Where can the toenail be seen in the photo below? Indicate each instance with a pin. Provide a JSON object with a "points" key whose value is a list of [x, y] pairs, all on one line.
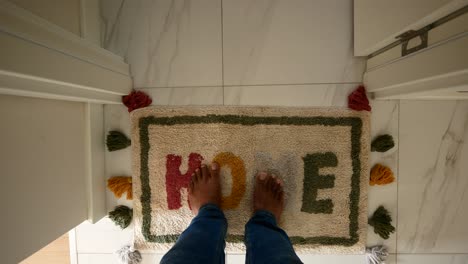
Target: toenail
{"points": [[262, 175], [214, 166]]}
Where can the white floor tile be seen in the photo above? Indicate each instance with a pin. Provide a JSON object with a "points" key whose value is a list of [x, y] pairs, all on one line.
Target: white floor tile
{"points": [[111, 258], [432, 259], [102, 237], [391, 259], [167, 43], [235, 259], [96, 259], [240, 259], [289, 42], [289, 95], [384, 120], [328, 259], [432, 212], [186, 96], [333, 259], [151, 258]]}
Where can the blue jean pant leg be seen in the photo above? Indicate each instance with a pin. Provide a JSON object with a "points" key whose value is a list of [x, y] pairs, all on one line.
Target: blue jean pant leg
{"points": [[266, 242], [203, 241]]}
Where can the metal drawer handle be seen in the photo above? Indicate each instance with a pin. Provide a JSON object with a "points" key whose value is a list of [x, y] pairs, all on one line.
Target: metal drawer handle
{"points": [[409, 35]]}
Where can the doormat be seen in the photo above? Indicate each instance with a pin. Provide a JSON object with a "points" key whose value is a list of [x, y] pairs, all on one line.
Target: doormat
{"points": [[321, 154]]}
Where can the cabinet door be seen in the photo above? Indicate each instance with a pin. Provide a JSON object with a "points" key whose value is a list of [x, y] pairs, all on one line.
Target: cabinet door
{"points": [[54, 77], [377, 23], [42, 59], [43, 164]]}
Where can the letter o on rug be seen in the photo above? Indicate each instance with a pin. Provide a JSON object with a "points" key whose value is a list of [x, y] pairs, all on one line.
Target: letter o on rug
{"points": [[238, 173]]}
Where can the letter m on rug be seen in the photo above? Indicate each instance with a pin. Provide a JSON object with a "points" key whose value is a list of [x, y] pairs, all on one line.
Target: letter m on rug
{"points": [[175, 180]]}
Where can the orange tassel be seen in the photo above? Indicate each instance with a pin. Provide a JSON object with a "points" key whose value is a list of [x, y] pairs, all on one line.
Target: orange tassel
{"points": [[381, 175], [120, 185]]}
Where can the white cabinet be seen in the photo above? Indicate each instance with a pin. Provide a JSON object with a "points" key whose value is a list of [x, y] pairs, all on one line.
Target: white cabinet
{"points": [[377, 23], [42, 59], [43, 168], [430, 64], [54, 80]]}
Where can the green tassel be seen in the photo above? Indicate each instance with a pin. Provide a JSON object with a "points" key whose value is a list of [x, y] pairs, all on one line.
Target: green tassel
{"points": [[381, 221], [382, 143], [121, 216], [117, 140]]}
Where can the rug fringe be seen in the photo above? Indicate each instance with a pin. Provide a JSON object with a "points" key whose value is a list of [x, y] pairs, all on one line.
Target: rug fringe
{"points": [[128, 255], [376, 255]]}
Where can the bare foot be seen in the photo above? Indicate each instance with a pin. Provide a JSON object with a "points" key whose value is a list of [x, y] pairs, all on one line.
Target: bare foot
{"points": [[269, 194], [204, 187]]}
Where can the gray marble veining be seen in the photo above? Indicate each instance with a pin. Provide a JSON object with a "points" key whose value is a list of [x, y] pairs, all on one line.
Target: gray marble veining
{"points": [[167, 43], [289, 95], [432, 259], [289, 42], [433, 177], [179, 43], [186, 96]]}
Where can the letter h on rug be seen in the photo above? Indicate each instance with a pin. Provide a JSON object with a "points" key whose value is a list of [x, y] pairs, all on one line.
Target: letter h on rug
{"points": [[175, 180]]}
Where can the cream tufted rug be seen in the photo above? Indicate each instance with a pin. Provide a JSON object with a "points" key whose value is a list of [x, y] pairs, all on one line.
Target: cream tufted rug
{"points": [[320, 153]]}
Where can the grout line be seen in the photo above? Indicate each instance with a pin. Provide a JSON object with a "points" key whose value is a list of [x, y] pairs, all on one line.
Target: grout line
{"points": [[438, 254], [398, 183], [222, 47], [72, 245], [243, 254], [241, 85], [178, 87], [290, 84], [113, 254]]}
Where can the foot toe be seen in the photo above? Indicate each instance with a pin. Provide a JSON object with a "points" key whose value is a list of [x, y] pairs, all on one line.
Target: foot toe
{"points": [[279, 182], [275, 183], [280, 196], [205, 172], [198, 174], [270, 183], [214, 170], [193, 178], [192, 183], [261, 176]]}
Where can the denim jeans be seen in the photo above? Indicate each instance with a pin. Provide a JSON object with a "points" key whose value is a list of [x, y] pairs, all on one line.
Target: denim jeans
{"points": [[203, 241]]}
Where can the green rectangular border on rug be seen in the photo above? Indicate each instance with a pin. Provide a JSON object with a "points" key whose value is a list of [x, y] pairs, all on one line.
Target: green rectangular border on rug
{"points": [[356, 129]]}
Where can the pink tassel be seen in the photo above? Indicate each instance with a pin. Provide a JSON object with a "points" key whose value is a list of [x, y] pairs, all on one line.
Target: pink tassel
{"points": [[357, 100], [135, 100]]}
